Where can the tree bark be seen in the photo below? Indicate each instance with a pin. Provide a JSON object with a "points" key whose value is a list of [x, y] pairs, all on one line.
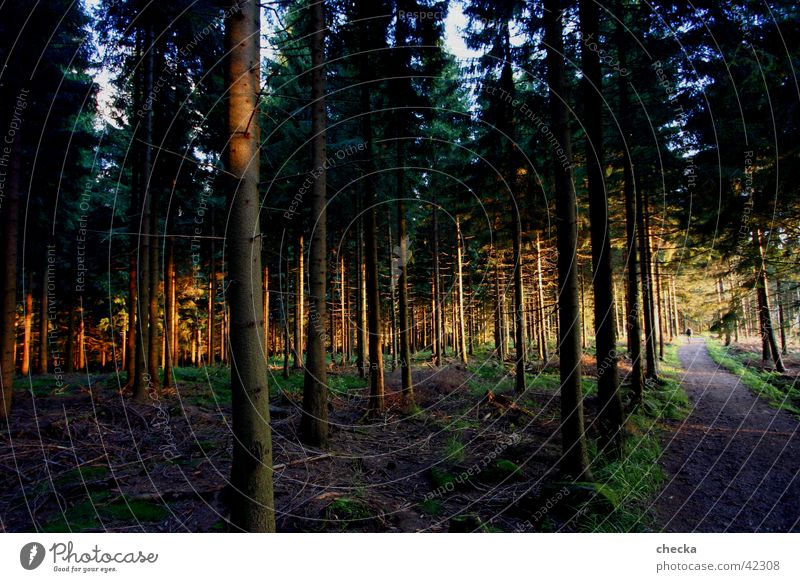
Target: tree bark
{"points": [[540, 303], [26, 335], [765, 315], [299, 306], [438, 332], [253, 508], [314, 420], [610, 413], [575, 458], [44, 317], [462, 347], [142, 380], [170, 348], [632, 318], [8, 276], [642, 209], [519, 308]]}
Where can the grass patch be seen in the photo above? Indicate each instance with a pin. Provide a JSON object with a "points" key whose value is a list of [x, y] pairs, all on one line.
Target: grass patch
{"points": [[630, 482], [455, 450], [763, 383]]}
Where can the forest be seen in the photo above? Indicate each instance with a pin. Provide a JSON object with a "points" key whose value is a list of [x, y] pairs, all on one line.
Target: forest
{"points": [[399, 266]]}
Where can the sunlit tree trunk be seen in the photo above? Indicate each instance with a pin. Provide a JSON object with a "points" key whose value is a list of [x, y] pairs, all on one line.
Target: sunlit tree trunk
{"points": [[44, 317], [462, 344], [26, 334], [170, 347], [252, 507], [519, 308], [765, 315], [299, 306]]}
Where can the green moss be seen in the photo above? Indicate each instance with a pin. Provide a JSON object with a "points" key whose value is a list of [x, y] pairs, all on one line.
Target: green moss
{"points": [[348, 509], [99, 509], [431, 507]]}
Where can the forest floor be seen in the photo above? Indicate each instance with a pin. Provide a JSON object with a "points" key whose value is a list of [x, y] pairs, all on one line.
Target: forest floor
{"points": [[85, 457], [734, 464]]}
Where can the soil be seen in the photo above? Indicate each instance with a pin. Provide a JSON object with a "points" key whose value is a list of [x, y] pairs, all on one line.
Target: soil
{"points": [[88, 458], [734, 464]]}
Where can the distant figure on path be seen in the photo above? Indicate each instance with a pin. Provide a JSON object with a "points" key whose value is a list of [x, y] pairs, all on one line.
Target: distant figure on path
{"points": [[689, 334]]}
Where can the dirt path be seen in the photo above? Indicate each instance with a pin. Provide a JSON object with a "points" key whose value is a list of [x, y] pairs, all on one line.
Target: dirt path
{"points": [[734, 464]]}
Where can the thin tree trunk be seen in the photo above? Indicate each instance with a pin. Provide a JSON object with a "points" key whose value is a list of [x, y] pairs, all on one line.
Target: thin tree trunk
{"points": [[9, 220], [212, 292], [170, 350], [661, 319], [266, 314], [44, 317], [540, 300], [781, 319], [393, 302], [632, 318], [610, 413], [299, 306], [764, 307], [519, 307], [406, 384], [142, 380], [253, 508], [642, 209], [361, 301], [26, 336], [314, 420], [438, 331], [71, 334], [575, 458], [462, 348]]}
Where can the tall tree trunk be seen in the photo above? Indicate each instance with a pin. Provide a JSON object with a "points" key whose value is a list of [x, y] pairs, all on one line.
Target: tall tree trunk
{"points": [[462, 347], [781, 318], [540, 301], [130, 348], [44, 317], [376, 400], [361, 298], [519, 308], [406, 384], [575, 458], [8, 276], [266, 314], [393, 295], [610, 413], [142, 381], [632, 318], [285, 316], [314, 420], [642, 209], [81, 339], [438, 331], [657, 268], [26, 336], [170, 349], [253, 507], [299, 306], [70, 358], [765, 313]]}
